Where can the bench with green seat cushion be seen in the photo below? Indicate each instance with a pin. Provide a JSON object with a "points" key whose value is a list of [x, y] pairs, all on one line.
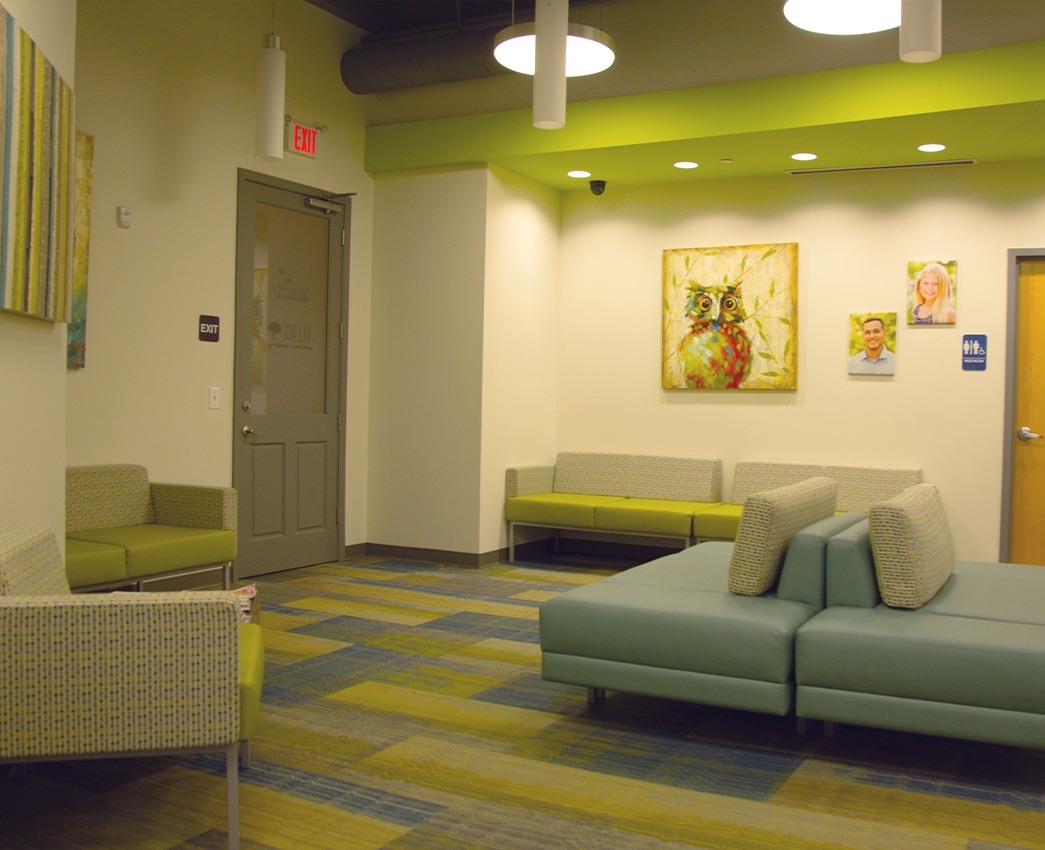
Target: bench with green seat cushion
{"points": [[114, 513], [859, 487], [612, 493]]}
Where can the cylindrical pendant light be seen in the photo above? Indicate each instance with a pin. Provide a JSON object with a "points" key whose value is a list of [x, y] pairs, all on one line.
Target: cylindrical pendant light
{"points": [[551, 18], [921, 30], [272, 78]]}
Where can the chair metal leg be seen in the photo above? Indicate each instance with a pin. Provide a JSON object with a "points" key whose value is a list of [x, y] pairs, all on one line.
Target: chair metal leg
{"points": [[232, 788], [511, 543], [596, 695], [226, 575], [244, 755]]}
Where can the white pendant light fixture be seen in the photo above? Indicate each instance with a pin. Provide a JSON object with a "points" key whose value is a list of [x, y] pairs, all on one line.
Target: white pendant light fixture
{"points": [[272, 78], [552, 49], [843, 17], [549, 76], [921, 30]]}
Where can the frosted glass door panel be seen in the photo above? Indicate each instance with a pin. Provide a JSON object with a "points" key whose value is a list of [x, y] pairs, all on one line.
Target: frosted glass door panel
{"points": [[289, 344]]}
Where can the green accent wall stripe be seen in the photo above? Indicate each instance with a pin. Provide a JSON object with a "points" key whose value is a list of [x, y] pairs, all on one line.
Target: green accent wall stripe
{"points": [[974, 92]]}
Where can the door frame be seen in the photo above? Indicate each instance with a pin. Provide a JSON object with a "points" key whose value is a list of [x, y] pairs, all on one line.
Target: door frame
{"points": [[345, 200], [1011, 350]]}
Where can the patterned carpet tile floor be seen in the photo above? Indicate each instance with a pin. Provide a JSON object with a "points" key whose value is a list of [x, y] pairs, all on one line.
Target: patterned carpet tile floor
{"points": [[403, 708]]}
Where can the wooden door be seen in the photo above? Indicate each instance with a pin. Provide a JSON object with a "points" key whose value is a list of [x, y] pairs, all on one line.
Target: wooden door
{"points": [[1027, 499]]}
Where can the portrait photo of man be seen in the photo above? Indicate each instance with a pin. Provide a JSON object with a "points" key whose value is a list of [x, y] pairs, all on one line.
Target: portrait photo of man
{"points": [[872, 344]]}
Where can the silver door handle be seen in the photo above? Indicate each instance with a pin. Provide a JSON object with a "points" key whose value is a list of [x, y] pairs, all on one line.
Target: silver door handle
{"points": [[248, 431], [1026, 433]]}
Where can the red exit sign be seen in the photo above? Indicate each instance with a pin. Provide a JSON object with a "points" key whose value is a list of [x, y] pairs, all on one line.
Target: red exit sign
{"points": [[301, 139]]}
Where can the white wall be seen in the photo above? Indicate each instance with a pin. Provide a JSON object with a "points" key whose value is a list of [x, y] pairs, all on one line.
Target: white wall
{"points": [[169, 96], [520, 344], [426, 360], [856, 233], [32, 352]]}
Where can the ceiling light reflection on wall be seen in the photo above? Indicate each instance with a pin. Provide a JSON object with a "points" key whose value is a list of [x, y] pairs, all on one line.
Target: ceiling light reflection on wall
{"points": [[848, 17]]}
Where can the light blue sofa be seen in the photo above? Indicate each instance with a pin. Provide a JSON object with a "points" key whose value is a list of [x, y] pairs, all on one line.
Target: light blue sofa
{"points": [[968, 663], [674, 628]]}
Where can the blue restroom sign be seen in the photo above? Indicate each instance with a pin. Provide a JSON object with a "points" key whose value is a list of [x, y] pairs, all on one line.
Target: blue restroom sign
{"points": [[974, 352]]}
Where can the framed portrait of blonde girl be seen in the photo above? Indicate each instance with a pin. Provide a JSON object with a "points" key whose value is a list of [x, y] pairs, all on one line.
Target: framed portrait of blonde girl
{"points": [[932, 292]]}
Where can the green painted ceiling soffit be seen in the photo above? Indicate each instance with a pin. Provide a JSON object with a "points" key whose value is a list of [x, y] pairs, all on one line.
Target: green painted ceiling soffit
{"points": [[987, 105]]}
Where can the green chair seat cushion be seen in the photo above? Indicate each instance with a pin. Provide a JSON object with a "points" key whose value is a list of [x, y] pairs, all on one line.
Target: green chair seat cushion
{"points": [[576, 510], [718, 522], [88, 564], [652, 516], [251, 678], [153, 548]]}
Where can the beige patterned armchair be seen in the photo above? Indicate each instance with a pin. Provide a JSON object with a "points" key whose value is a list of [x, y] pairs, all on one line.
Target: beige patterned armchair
{"points": [[107, 675]]}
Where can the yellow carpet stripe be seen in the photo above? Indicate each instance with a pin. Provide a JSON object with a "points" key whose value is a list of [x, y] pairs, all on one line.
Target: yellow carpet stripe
{"points": [[501, 722], [293, 646], [820, 786], [437, 602], [364, 610], [550, 576], [507, 651], [537, 595], [707, 820]]}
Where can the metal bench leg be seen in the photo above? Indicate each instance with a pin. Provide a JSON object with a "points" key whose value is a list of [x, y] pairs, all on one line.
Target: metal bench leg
{"points": [[511, 543]]}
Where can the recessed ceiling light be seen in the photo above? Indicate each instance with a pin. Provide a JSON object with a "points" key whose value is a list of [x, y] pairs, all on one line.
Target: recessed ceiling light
{"points": [[685, 163], [932, 147], [726, 160], [803, 157], [578, 173]]}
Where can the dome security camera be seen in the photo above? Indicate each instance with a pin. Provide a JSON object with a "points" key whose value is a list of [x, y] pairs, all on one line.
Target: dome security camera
{"points": [[597, 187]]}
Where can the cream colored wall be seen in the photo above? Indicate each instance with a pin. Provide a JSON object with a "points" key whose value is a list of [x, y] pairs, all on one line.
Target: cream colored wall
{"points": [[426, 360], [520, 345], [856, 233], [32, 353], [169, 96]]}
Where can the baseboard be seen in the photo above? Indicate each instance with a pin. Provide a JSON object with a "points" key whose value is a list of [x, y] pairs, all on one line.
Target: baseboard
{"points": [[441, 556], [356, 550]]}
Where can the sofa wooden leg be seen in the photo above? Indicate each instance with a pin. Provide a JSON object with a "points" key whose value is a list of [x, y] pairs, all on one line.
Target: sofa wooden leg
{"points": [[830, 727], [802, 726], [596, 695]]}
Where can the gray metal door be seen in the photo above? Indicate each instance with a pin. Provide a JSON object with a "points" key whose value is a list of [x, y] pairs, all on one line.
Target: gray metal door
{"points": [[287, 455]]}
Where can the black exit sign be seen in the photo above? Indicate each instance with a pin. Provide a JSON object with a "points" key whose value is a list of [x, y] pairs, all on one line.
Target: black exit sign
{"points": [[210, 327]]}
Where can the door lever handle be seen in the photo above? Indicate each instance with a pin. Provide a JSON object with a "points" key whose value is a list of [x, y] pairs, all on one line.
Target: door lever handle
{"points": [[1026, 433], [248, 431]]}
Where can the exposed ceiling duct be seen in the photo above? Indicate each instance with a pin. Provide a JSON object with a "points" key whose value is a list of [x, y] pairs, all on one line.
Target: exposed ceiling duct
{"points": [[421, 60]]}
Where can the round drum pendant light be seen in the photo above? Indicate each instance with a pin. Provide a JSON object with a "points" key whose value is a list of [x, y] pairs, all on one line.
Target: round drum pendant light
{"points": [[843, 17], [588, 50]]}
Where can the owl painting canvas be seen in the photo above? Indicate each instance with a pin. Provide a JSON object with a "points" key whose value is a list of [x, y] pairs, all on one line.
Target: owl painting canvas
{"points": [[731, 318]]}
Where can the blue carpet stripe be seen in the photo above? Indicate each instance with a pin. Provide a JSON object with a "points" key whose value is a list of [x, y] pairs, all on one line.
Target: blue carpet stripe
{"points": [[327, 790]]}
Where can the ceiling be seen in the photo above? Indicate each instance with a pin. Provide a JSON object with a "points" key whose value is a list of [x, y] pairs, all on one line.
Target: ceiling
{"points": [[707, 80]]}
